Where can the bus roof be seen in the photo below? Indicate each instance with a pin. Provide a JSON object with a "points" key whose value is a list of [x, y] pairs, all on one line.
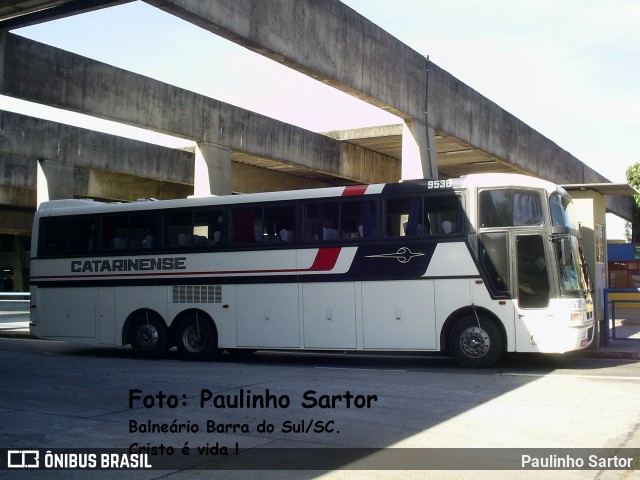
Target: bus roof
{"points": [[81, 206]]}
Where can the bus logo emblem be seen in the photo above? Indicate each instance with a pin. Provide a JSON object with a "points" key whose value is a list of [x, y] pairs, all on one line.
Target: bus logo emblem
{"points": [[403, 255]]}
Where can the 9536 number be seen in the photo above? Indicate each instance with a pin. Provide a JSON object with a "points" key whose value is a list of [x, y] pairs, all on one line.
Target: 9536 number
{"points": [[439, 183]]}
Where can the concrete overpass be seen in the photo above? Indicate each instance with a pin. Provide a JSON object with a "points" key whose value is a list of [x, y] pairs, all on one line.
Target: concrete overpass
{"points": [[448, 129]]}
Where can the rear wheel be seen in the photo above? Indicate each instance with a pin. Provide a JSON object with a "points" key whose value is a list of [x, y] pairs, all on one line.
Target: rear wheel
{"points": [[149, 336], [476, 342], [196, 338]]}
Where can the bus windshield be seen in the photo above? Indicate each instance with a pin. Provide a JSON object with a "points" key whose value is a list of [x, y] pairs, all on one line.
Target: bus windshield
{"points": [[572, 270], [562, 214], [572, 273]]}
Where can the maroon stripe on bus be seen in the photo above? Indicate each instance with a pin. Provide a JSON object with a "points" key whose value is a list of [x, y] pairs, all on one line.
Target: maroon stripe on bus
{"points": [[354, 190], [325, 259]]}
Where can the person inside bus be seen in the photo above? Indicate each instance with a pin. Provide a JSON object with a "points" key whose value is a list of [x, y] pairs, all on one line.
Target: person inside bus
{"points": [[329, 232], [448, 227], [350, 229]]}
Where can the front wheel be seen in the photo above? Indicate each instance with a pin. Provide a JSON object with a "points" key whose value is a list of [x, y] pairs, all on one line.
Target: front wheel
{"points": [[196, 339], [149, 336], [476, 342]]}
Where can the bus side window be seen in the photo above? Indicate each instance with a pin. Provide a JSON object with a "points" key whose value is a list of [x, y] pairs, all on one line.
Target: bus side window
{"points": [[321, 221], [178, 229], [200, 229], [142, 232], [83, 234], [404, 216], [129, 232], [280, 223], [510, 208], [54, 235], [444, 213], [357, 219], [246, 225], [114, 232], [207, 231]]}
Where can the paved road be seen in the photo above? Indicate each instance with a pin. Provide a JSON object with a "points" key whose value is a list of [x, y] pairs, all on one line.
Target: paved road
{"points": [[56, 395]]}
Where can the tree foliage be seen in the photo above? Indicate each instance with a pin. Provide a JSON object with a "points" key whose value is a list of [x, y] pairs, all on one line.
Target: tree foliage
{"points": [[633, 177]]}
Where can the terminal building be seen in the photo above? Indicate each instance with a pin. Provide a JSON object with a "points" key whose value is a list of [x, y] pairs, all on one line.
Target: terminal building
{"points": [[448, 129]]}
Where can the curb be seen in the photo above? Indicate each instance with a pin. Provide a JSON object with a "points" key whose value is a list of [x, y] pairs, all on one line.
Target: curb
{"points": [[15, 333], [612, 354]]}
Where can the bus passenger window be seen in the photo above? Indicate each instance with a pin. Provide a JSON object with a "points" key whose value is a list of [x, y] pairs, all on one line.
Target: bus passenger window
{"points": [[510, 208], [207, 228], [444, 213], [358, 220], [129, 232], [403, 216], [246, 225], [199, 229], [321, 221], [142, 232], [114, 232], [83, 234], [279, 223], [54, 235], [178, 228]]}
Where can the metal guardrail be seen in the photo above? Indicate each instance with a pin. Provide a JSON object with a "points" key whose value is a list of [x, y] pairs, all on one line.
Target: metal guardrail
{"points": [[622, 314], [14, 310]]}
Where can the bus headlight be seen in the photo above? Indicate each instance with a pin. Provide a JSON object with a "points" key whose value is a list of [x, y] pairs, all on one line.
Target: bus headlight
{"points": [[576, 316]]}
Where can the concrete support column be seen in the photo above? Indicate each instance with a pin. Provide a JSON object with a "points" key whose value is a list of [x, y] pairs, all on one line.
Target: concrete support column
{"points": [[418, 151], [54, 181], [590, 209], [212, 174]]}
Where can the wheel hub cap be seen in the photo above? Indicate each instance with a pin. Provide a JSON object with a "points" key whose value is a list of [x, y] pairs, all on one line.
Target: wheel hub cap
{"points": [[475, 342]]}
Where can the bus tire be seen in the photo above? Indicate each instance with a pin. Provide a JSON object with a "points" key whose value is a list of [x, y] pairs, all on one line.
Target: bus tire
{"points": [[196, 339], [476, 342], [149, 335]]}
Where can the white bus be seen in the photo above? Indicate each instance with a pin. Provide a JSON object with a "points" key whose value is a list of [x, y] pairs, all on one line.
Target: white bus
{"points": [[476, 266]]}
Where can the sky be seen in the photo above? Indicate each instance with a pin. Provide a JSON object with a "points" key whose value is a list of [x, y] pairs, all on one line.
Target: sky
{"points": [[569, 69]]}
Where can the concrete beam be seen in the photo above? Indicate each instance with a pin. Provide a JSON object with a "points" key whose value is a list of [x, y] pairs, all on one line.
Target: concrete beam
{"points": [[461, 112], [19, 14], [15, 221], [30, 137], [104, 185], [326, 40], [250, 179], [334, 44], [43, 74], [362, 165], [17, 171], [17, 197], [620, 206]]}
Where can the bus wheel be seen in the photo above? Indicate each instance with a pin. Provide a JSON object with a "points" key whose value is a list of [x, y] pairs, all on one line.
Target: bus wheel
{"points": [[476, 342], [149, 336], [196, 338]]}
